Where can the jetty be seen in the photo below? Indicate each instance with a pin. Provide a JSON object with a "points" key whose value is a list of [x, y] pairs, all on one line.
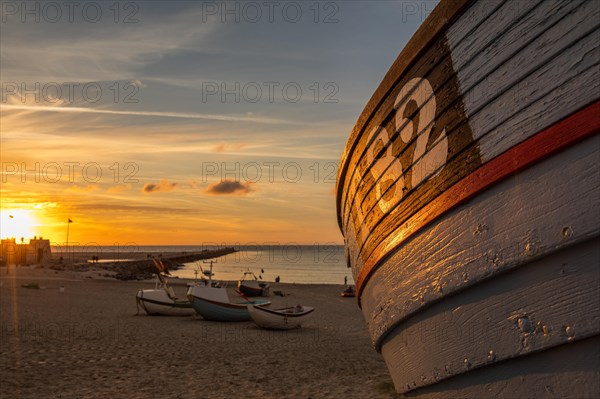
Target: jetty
{"points": [[142, 269]]}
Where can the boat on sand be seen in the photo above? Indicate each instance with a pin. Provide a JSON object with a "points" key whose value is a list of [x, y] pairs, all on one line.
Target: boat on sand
{"points": [[214, 304], [161, 300], [280, 319], [348, 292], [253, 287]]}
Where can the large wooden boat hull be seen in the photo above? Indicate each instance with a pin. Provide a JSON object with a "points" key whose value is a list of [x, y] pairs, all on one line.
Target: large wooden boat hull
{"points": [[468, 196]]}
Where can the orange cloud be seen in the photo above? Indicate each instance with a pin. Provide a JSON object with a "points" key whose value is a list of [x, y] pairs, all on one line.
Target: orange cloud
{"points": [[162, 186]]}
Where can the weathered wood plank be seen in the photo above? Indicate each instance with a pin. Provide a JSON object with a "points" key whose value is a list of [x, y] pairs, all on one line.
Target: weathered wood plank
{"points": [[553, 56], [503, 318], [501, 229], [567, 372], [484, 23], [505, 34], [545, 107]]}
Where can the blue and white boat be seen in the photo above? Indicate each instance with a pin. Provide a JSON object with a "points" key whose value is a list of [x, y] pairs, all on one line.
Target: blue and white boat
{"points": [[213, 304]]}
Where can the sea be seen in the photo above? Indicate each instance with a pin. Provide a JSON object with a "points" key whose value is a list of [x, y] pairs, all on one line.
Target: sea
{"points": [[292, 263]]}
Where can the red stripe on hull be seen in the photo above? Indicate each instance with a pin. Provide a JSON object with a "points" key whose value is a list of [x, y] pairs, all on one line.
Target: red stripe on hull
{"points": [[557, 137]]}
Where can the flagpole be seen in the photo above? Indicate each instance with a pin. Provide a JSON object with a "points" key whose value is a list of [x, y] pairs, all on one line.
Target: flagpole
{"points": [[68, 223]]}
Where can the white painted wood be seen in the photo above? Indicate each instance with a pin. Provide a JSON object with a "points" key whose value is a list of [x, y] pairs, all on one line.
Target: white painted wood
{"points": [[493, 39], [494, 19], [546, 208], [549, 302], [567, 372], [502, 79], [546, 105]]}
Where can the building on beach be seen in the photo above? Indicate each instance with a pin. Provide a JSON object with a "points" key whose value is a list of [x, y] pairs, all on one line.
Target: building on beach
{"points": [[13, 253]]}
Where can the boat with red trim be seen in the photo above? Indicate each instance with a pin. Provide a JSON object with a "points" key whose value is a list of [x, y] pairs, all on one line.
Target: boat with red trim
{"points": [[468, 196]]}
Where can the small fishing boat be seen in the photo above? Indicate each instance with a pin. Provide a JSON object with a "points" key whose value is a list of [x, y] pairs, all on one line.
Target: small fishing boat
{"points": [[468, 197], [348, 292], [213, 304], [280, 319], [162, 300], [253, 287]]}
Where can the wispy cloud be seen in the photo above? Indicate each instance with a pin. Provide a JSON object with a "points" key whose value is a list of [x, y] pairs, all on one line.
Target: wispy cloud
{"points": [[118, 189], [79, 52], [229, 187], [46, 205], [234, 147], [214, 117]]}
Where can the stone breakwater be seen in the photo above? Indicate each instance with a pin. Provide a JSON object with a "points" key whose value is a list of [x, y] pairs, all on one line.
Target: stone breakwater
{"points": [[142, 269]]}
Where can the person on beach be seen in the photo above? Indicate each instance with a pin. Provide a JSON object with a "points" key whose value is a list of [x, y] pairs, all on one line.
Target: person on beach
{"points": [[345, 280]]}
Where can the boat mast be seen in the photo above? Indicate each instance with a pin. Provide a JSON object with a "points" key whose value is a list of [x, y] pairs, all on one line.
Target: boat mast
{"points": [[210, 273]]}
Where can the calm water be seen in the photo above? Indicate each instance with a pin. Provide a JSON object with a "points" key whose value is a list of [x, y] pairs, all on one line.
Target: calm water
{"points": [[303, 264], [293, 264]]}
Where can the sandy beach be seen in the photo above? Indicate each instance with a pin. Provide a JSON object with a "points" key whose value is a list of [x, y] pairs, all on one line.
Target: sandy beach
{"points": [[86, 341]]}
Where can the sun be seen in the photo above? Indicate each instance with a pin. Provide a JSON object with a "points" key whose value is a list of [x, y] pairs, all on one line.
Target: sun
{"points": [[17, 223]]}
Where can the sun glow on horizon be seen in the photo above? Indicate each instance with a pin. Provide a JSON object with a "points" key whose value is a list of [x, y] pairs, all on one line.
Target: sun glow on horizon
{"points": [[17, 223]]}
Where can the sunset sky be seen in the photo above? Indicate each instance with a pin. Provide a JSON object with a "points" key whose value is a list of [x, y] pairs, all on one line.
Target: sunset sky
{"points": [[165, 123]]}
